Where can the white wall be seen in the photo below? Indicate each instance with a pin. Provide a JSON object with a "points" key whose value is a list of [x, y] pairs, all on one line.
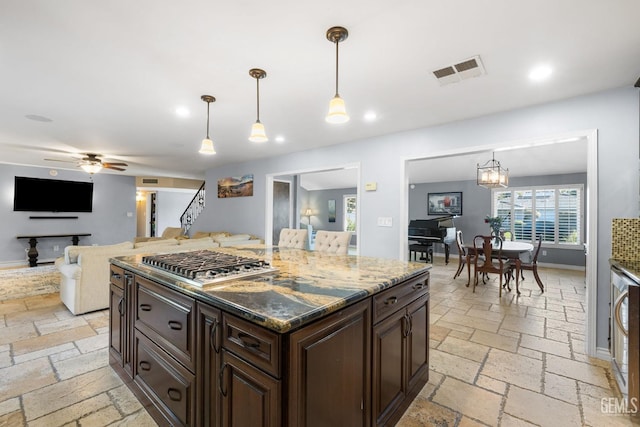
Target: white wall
{"points": [[614, 113], [170, 206]]}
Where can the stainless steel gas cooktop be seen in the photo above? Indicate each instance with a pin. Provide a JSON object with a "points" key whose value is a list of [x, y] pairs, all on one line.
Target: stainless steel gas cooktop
{"points": [[207, 267]]}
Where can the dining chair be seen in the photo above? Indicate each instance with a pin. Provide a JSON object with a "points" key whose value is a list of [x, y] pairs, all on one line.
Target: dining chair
{"points": [[488, 259], [533, 265], [293, 238], [336, 242], [462, 253]]}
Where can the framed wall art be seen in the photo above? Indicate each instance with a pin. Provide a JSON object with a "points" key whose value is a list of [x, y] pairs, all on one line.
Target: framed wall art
{"points": [[235, 186], [444, 203]]}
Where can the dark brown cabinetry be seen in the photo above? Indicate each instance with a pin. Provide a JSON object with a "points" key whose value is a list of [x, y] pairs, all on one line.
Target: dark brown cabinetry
{"points": [[330, 370], [119, 322], [193, 364], [400, 348], [209, 321]]}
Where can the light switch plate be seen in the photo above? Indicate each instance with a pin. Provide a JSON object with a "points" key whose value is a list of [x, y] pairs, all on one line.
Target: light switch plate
{"points": [[385, 221]]}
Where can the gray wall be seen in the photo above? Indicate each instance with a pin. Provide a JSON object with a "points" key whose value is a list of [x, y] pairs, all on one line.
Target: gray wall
{"points": [[476, 205], [114, 196], [614, 113]]}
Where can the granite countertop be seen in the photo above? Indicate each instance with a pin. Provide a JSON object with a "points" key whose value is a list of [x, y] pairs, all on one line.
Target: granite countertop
{"points": [[631, 268], [308, 285]]}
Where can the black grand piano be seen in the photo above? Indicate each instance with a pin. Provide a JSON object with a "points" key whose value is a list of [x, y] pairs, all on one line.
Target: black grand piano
{"points": [[423, 233]]}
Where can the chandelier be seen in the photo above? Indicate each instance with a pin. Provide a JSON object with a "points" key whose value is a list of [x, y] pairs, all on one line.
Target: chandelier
{"points": [[492, 174], [337, 110]]}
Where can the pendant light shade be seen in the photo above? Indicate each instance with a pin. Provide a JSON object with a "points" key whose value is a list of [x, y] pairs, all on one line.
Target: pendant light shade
{"points": [[257, 130], [337, 110], [207, 144]]}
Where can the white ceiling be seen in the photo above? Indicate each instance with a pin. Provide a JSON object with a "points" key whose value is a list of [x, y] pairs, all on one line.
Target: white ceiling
{"points": [[110, 74]]}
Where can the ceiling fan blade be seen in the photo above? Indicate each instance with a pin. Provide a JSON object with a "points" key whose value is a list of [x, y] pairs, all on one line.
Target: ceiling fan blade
{"points": [[110, 166], [60, 160], [114, 164]]}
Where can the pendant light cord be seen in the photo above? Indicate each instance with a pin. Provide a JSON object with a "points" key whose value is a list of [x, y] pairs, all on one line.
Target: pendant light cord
{"points": [[208, 103], [337, 43], [258, 100]]}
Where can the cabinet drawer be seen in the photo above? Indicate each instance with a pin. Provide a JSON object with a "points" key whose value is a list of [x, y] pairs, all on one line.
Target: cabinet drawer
{"points": [[389, 301], [168, 384], [166, 317], [252, 343], [116, 276]]}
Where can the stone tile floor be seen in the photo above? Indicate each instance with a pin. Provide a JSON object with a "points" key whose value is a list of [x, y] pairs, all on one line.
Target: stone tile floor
{"points": [[509, 362]]}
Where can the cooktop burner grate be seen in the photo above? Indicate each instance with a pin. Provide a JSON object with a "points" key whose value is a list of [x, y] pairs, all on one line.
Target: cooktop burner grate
{"points": [[207, 266]]}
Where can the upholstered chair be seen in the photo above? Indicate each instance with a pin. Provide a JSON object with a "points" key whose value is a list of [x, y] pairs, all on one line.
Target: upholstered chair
{"points": [[336, 242], [292, 238]]}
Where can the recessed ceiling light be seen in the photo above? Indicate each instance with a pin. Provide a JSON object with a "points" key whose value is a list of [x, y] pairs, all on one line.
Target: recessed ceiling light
{"points": [[540, 73], [182, 112], [280, 139], [38, 118], [370, 116]]}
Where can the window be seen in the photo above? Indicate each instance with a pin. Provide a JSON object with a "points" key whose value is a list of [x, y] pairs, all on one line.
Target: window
{"points": [[553, 212], [349, 206]]}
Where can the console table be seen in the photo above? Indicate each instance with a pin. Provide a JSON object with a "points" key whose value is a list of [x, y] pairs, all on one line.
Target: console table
{"points": [[33, 241]]}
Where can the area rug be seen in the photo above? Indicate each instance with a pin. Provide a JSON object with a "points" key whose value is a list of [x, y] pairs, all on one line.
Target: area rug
{"points": [[26, 282]]}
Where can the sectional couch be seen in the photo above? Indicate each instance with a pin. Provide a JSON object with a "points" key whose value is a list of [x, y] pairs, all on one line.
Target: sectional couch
{"points": [[84, 278]]}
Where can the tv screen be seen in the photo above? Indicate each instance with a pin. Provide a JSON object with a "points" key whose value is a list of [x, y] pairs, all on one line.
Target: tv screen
{"points": [[52, 195]]}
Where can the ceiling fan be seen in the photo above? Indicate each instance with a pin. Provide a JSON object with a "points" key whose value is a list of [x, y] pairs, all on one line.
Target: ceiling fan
{"points": [[91, 163]]}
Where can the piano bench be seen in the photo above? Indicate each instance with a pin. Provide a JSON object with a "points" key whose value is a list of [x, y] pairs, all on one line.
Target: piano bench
{"points": [[426, 252]]}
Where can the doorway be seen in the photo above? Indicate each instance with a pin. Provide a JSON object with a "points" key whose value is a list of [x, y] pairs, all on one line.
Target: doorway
{"points": [[282, 207], [590, 140]]}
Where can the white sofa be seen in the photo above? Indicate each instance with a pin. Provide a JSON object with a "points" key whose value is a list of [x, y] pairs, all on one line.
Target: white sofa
{"points": [[84, 278]]}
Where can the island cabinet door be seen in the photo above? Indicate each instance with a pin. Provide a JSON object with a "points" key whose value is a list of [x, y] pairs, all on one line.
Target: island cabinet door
{"points": [[250, 397], [116, 323], [208, 365], [418, 341], [330, 370], [389, 365]]}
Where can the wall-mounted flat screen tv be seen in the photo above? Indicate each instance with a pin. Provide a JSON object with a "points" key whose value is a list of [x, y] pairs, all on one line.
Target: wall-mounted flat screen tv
{"points": [[52, 195]]}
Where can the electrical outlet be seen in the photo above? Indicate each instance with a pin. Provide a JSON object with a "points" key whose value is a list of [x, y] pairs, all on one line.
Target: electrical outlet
{"points": [[56, 248], [544, 253]]}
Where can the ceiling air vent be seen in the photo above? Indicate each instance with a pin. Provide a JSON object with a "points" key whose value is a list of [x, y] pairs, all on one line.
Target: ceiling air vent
{"points": [[466, 69], [149, 180]]}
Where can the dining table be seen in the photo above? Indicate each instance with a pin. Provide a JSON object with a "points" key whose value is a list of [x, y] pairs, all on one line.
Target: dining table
{"points": [[514, 251]]}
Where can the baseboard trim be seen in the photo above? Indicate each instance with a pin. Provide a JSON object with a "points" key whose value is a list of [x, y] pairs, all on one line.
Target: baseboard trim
{"points": [[603, 353]]}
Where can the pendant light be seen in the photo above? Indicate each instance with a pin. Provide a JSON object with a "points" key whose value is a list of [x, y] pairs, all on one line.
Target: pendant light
{"points": [[257, 130], [337, 110], [492, 174], [207, 144]]}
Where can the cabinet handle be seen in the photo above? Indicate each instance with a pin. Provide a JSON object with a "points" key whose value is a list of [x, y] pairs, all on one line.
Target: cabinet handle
{"points": [[120, 307], [221, 379], [144, 365], [212, 336], [174, 394], [128, 278], [616, 312], [116, 276], [391, 301], [145, 307], [410, 318], [418, 286], [175, 325], [251, 343]]}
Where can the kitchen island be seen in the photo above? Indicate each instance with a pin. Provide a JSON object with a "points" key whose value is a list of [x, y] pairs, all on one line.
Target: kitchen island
{"points": [[318, 339]]}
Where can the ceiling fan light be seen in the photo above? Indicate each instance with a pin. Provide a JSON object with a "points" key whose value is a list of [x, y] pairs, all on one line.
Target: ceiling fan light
{"points": [[207, 147], [257, 133], [337, 111], [91, 168]]}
